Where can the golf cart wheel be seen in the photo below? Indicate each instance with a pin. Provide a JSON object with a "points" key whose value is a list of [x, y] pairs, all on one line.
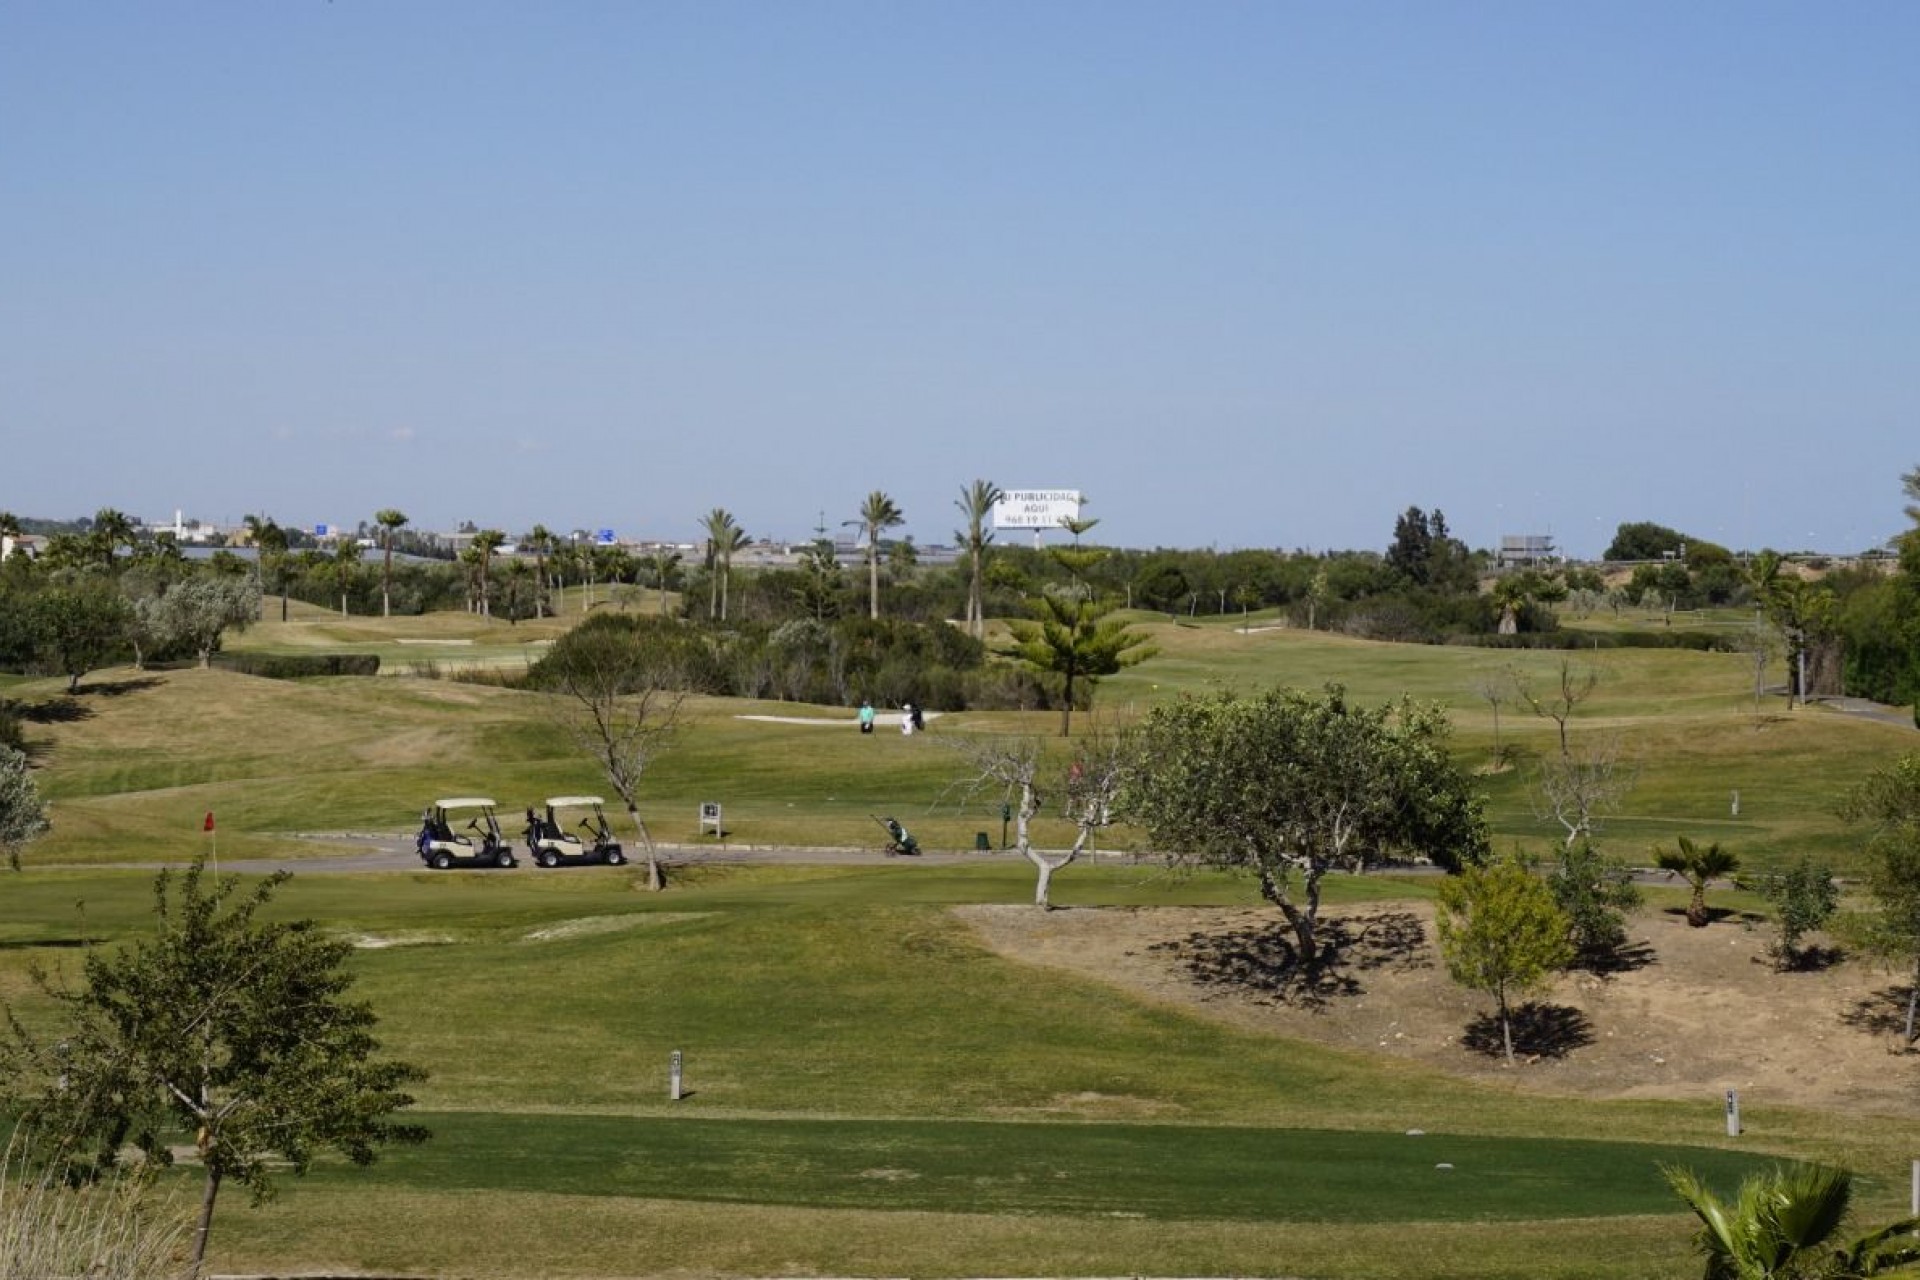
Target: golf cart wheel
{"points": [[505, 859], [442, 860], [615, 857], [546, 859]]}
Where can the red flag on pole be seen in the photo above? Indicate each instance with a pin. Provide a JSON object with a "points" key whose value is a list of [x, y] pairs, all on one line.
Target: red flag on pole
{"points": [[209, 823]]}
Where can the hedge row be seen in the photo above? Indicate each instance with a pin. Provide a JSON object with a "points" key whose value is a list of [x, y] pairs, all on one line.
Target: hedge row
{"points": [[296, 666]]}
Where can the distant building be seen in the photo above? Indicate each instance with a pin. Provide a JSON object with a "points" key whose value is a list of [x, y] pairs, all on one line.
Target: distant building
{"points": [[1530, 549]]}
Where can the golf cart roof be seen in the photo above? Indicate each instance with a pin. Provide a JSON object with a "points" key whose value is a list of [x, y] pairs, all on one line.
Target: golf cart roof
{"points": [[573, 802], [465, 802]]}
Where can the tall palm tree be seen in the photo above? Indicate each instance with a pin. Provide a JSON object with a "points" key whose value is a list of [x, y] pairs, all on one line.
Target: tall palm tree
{"points": [[976, 503], [345, 568], [391, 520], [665, 562], [486, 542], [1782, 1225], [724, 537], [270, 554], [1698, 866], [540, 542], [877, 514]]}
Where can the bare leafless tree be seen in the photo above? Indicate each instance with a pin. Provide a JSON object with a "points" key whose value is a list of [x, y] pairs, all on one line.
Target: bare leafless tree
{"points": [[1581, 787], [1019, 767], [1494, 688], [618, 697], [1572, 686]]}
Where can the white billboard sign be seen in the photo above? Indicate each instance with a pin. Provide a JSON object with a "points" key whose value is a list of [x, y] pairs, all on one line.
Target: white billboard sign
{"points": [[1036, 508]]}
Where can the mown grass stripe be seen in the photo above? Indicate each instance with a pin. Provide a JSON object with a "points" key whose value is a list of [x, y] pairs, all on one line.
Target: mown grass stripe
{"points": [[1160, 1172]]}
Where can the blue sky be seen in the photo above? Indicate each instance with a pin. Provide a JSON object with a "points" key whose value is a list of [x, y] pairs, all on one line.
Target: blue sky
{"points": [[1248, 274]]}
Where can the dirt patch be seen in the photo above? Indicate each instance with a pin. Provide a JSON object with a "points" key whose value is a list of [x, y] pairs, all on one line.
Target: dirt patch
{"points": [[1700, 1011]]}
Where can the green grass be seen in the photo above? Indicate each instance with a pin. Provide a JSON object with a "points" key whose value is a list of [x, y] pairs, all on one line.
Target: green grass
{"points": [[132, 777], [1156, 1172], [853, 1054], [872, 1090]]}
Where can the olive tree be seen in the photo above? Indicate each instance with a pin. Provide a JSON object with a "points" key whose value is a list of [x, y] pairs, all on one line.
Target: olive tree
{"points": [[235, 1029], [80, 627], [23, 815], [1286, 782], [199, 611]]}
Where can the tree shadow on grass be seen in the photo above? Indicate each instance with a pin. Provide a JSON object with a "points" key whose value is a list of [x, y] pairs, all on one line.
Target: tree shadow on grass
{"points": [[1262, 962], [1883, 1013], [64, 709], [119, 688], [1540, 1030]]}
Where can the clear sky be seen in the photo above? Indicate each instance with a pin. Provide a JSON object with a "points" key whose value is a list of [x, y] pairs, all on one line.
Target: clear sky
{"points": [[1247, 272]]}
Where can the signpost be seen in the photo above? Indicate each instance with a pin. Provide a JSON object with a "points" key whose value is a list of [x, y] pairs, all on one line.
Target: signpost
{"points": [[673, 1077], [1733, 1113], [710, 817]]}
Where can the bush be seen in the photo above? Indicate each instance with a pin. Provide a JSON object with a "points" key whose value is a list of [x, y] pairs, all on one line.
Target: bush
{"points": [[1595, 892], [299, 666], [1804, 898]]}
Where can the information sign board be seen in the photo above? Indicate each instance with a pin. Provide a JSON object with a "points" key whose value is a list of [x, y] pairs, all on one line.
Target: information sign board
{"points": [[1036, 508]]}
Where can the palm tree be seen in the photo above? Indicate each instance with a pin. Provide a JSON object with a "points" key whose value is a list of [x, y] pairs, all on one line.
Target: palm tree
{"points": [[724, 537], [976, 502], [485, 543], [877, 514], [540, 541], [391, 520], [112, 530], [1781, 1226], [346, 568], [1698, 866], [270, 554], [665, 562]]}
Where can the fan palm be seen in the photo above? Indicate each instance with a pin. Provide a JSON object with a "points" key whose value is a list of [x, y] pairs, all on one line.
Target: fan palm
{"points": [[1781, 1226], [1698, 866]]}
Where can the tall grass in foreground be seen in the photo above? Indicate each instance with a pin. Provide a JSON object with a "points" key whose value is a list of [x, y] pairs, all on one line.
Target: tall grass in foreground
{"points": [[125, 1228]]}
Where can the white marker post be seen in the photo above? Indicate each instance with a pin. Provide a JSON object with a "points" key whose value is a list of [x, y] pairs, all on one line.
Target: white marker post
{"points": [[1733, 1113], [673, 1076]]}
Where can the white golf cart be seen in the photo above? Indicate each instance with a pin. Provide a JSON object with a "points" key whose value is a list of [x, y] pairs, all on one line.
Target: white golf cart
{"points": [[573, 832], [462, 832]]}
